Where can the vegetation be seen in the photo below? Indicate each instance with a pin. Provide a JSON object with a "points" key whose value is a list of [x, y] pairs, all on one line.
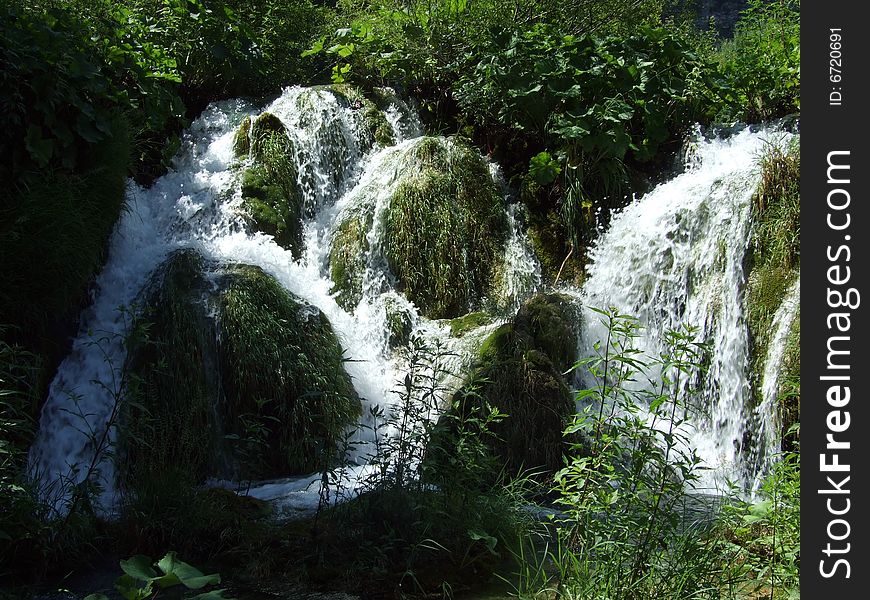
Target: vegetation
{"points": [[444, 229], [519, 372], [774, 267], [270, 187]]}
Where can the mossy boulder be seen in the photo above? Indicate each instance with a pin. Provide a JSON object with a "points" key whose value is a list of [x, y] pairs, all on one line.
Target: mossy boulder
{"points": [[445, 229], [372, 105], [174, 373], [236, 378], [270, 184], [520, 371], [347, 258], [442, 227], [399, 321], [283, 373], [242, 138]]}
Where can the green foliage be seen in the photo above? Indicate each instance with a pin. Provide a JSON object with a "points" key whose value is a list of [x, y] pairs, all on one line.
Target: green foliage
{"points": [[761, 538], [761, 65], [596, 102], [623, 484], [65, 78], [17, 522], [428, 44], [425, 521], [445, 229], [141, 581]]}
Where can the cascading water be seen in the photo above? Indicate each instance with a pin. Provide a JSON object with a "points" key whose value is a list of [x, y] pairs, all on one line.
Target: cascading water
{"points": [[198, 205], [676, 256]]}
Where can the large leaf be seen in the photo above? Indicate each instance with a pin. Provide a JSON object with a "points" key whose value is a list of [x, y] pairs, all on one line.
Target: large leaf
{"points": [[189, 576], [139, 567]]}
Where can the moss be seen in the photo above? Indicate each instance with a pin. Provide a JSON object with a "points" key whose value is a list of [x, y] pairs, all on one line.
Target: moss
{"points": [[270, 188], [174, 379], [258, 390], [790, 386], [273, 209], [376, 126], [462, 325], [547, 323], [242, 139], [445, 230], [774, 257], [286, 389], [400, 322], [519, 371], [347, 258], [548, 238]]}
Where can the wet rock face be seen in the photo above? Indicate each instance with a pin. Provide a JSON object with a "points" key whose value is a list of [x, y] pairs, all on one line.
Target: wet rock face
{"points": [[235, 377]]}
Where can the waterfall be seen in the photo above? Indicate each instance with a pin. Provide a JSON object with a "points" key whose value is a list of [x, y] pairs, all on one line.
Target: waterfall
{"points": [[676, 256], [198, 205]]}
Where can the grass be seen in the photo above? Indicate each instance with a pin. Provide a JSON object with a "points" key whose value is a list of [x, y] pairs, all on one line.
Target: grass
{"points": [[774, 264], [445, 230]]}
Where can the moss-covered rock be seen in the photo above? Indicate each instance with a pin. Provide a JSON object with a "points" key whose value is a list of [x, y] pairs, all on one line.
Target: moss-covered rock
{"points": [[774, 264], [284, 381], [400, 321], [236, 380], [174, 378], [445, 229], [270, 186], [442, 230], [242, 139], [372, 105], [347, 258], [520, 372], [462, 325]]}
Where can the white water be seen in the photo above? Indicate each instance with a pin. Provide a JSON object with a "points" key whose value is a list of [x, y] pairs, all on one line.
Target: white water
{"points": [[198, 205], [676, 256]]}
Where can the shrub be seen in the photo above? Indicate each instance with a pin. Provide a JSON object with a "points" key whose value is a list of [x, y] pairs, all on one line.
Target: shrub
{"points": [[761, 65], [622, 487]]}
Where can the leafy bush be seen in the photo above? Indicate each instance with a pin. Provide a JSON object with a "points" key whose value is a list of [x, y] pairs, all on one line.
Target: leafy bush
{"points": [[761, 65], [624, 535], [596, 103]]}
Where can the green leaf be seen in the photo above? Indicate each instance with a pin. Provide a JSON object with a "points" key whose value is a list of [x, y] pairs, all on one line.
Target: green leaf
{"points": [[544, 169], [139, 567], [316, 48], [487, 539], [189, 576]]}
